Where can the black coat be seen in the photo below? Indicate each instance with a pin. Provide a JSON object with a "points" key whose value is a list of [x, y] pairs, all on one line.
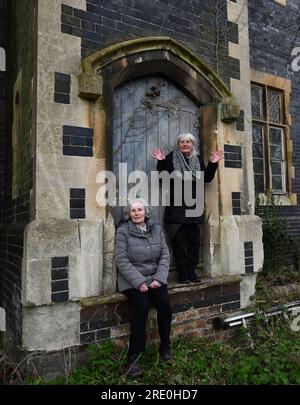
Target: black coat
{"points": [[176, 214]]}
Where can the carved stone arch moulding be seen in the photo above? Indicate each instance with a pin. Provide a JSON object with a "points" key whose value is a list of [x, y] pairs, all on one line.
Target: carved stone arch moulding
{"points": [[111, 66]]}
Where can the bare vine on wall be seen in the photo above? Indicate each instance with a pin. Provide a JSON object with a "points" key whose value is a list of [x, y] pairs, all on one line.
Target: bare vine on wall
{"points": [[152, 107]]}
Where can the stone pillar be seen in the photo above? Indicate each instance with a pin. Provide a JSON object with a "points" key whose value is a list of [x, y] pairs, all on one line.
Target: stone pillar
{"points": [[213, 204], [63, 253], [109, 265], [62, 263]]}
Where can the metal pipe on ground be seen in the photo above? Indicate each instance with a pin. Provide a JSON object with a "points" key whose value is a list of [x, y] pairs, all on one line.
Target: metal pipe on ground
{"points": [[220, 323]]}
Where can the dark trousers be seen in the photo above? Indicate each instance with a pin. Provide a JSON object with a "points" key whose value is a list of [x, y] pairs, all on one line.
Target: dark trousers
{"points": [[186, 250], [140, 307]]}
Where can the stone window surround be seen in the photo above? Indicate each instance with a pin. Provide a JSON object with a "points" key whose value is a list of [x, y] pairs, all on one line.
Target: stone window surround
{"points": [[280, 83], [282, 2]]}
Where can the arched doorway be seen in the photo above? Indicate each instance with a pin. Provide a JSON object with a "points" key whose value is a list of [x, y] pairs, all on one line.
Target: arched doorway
{"points": [[112, 74], [149, 112]]}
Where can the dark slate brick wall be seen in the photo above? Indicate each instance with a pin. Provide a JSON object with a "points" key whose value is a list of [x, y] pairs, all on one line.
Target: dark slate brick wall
{"points": [[233, 156], [18, 32], [3, 44], [236, 203], [274, 31], [3, 22], [15, 214], [2, 132], [11, 253], [60, 279], [189, 21], [77, 141], [77, 203], [62, 84], [248, 250]]}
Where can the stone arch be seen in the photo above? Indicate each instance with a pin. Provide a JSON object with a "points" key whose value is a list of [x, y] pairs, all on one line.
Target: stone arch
{"points": [[136, 57], [104, 70]]}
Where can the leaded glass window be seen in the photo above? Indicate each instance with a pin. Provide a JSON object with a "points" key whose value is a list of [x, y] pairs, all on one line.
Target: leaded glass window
{"points": [[277, 158], [274, 106], [257, 102], [258, 157], [268, 145]]}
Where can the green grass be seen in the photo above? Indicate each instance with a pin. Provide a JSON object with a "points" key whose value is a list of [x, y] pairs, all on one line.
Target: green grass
{"points": [[264, 354]]}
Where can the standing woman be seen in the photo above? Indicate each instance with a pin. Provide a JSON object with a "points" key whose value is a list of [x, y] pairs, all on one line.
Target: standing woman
{"points": [[185, 231], [143, 260]]}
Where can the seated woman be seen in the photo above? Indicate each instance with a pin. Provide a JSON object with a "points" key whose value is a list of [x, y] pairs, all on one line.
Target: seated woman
{"points": [[143, 260]]}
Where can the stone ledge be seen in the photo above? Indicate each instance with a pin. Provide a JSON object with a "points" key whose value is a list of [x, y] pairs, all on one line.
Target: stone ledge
{"points": [[173, 288]]}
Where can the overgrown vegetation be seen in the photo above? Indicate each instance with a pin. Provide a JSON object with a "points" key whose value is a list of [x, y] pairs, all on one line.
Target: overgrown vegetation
{"points": [[278, 244], [265, 353]]}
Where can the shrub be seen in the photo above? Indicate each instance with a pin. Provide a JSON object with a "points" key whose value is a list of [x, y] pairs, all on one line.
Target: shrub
{"points": [[276, 240]]}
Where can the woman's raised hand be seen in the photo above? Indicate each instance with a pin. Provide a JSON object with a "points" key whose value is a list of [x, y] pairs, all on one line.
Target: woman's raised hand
{"points": [[216, 156], [158, 154]]}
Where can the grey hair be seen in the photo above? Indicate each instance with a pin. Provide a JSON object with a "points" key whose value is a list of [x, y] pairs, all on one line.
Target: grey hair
{"points": [[129, 205], [190, 137]]}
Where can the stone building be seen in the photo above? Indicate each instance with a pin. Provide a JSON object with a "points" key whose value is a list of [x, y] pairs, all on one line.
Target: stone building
{"points": [[88, 84]]}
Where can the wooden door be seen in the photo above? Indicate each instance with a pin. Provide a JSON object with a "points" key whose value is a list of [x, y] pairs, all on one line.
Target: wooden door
{"points": [[149, 112]]}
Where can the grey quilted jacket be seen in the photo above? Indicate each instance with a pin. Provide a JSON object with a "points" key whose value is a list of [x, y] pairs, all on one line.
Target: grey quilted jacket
{"points": [[141, 256]]}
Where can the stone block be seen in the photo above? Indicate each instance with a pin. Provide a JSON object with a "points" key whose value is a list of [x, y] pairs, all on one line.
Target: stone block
{"points": [[85, 275], [211, 247], [91, 241], [51, 327], [90, 86], [109, 274], [53, 201], [235, 230], [36, 282], [248, 284], [109, 234], [51, 238], [49, 139]]}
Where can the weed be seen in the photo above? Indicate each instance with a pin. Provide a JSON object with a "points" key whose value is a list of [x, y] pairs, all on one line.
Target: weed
{"points": [[278, 244], [266, 352]]}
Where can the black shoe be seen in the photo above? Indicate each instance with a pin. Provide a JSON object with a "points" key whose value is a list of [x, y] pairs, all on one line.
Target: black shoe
{"points": [[166, 356], [195, 279], [183, 281], [133, 366]]}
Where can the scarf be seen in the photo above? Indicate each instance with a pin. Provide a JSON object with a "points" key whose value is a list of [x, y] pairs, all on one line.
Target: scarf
{"points": [[142, 228], [180, 163]]}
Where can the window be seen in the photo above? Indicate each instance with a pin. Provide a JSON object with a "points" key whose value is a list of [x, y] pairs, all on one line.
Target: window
{"points": [[269, 139]]}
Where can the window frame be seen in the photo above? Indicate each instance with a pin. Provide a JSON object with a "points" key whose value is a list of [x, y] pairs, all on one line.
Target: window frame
{"points": [[266, 125], [284, 84]]}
